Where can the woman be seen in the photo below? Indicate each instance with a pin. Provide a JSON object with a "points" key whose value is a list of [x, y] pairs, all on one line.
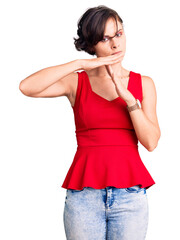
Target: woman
{"points": [[113, 108]]}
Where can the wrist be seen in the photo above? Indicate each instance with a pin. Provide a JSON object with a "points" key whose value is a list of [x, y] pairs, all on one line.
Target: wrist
{"points": [[78, 64], [130, 102], [135, 106]]}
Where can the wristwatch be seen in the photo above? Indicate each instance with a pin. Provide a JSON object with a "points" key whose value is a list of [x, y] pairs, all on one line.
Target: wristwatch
{"points": [[135, 106]]}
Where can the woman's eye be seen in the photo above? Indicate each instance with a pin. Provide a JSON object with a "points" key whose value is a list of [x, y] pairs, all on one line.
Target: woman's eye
{"points": [[104, 39], [118, 33]]}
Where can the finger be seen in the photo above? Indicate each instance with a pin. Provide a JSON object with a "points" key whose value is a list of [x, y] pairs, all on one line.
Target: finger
{"points": [[114, 56], [110, 70], [110, 59]]}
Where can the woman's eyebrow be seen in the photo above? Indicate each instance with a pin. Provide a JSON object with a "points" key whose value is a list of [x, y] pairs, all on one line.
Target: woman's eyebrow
{"points": [[116, 32]]}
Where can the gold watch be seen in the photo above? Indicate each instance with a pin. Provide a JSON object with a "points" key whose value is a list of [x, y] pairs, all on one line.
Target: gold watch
{"points": [[135, 106]]}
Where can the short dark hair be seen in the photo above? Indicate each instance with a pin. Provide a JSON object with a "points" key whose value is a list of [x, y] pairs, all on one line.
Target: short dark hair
{"points": [[91, 27]]}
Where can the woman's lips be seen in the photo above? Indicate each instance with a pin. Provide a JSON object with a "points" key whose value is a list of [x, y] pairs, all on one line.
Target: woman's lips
{"points": [[117, 52]]}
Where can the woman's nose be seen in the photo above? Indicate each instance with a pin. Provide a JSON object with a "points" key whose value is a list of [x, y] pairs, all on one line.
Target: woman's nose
{"points": [[115, 44]]}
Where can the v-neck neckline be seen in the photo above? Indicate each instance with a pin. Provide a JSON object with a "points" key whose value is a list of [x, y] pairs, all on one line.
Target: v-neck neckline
{"points": [[115, 99]]}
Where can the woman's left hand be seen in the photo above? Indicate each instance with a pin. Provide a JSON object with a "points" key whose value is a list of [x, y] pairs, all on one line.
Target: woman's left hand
{"points": [[121, 89]]}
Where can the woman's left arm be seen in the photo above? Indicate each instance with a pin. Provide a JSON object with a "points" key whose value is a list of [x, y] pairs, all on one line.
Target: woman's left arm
{"points": [[145, 120]]}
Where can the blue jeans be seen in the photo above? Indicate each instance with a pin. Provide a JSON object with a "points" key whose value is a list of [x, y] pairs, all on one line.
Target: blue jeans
{"points": [[109, 213]]}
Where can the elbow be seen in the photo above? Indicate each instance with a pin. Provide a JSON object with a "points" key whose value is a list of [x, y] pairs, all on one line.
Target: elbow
{"points": [[23, 89], [151, 148], [153, 145]]}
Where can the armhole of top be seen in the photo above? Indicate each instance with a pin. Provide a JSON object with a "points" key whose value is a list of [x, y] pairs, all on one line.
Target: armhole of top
{"points": [[136, 86], [140, 88], [77, 90]]}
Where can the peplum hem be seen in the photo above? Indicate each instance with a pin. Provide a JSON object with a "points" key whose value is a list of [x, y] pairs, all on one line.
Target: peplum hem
{"points": [[107, 144], [114, 165]]}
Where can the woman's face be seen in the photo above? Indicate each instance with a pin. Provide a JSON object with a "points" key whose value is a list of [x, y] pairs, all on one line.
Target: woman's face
{"points": [[108, 46]]}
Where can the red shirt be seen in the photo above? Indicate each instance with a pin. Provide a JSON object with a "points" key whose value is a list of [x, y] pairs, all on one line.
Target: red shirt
{"points": [[107, 146]]}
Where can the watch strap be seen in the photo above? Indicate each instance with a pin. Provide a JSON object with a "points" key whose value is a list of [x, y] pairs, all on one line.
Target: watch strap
{"points": [[135, 106]]}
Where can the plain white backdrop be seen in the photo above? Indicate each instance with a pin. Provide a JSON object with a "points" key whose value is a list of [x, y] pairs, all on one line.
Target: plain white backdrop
{"points": [[37, 135]]}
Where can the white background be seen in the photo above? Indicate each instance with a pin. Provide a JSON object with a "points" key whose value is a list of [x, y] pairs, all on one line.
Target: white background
{"points": [[38, 134]]}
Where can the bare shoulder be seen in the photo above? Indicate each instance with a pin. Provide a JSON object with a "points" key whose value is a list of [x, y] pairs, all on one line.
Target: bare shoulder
{"points": [[148, 87], [149, 101]]}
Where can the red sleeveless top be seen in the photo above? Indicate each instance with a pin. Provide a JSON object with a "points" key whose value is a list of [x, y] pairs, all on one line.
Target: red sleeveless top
{"points": [[107, 145]]}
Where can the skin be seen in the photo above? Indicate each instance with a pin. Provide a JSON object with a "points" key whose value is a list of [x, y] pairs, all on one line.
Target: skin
{"points": [[114, 75], [108, 78], [111, 81]]}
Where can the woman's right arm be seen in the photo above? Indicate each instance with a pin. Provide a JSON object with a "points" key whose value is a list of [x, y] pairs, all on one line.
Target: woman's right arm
{"points": [[51, 81], [57, 80]]}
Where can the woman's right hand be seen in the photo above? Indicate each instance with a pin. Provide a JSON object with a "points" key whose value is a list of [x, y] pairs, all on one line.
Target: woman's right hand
{"points": [[88, 64]]}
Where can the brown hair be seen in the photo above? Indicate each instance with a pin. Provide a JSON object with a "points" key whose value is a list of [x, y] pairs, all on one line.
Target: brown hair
{"points": [[91, 27]]}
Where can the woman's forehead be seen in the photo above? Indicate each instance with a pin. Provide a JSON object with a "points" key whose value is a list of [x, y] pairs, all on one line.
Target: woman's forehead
{"points": [[111, 27]]}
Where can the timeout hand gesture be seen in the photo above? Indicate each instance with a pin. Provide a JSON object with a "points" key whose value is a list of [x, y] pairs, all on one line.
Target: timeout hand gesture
{"points": [[120, 85]]}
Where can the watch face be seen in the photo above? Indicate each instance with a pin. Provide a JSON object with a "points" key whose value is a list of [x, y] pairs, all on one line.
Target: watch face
{"points": [[138, 102]]}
